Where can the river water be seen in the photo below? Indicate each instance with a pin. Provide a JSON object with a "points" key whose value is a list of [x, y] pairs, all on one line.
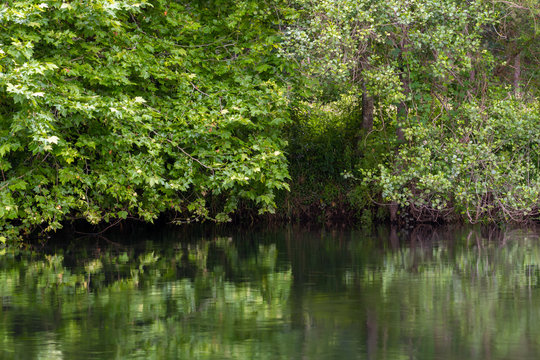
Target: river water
{"points": [[283, 293]]}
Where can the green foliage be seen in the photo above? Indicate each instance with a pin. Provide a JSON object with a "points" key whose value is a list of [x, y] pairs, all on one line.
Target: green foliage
{"points": [[384, 42], [324, 136], [433, 69], [116, 109], [515, 42], [485, 167], [322, 144]]}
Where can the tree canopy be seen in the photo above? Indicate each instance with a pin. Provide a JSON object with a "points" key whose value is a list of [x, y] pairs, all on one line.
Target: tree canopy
{"points": [[110, 109]]}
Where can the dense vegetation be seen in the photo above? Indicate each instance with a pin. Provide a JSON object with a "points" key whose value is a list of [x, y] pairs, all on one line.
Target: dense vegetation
{"points": [[439, 101], [115, 109]]}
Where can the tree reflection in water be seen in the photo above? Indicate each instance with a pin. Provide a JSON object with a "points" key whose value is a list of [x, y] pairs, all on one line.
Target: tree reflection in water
{"points": [[287, 293]]}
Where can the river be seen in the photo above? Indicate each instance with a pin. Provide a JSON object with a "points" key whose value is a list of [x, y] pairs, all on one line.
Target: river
{"points": [[279, 293]]}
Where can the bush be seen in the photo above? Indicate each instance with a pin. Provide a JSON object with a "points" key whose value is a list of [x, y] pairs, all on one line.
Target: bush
{"points": [[481, 165]]}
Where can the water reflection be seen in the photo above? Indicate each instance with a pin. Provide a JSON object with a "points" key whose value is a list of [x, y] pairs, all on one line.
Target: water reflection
{"points": [[287, 293]]}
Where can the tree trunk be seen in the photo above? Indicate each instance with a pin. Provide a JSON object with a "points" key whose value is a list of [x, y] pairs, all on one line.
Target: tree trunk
{"points": [[517, 73], [367, 109], [393, 212], [402, 109]]}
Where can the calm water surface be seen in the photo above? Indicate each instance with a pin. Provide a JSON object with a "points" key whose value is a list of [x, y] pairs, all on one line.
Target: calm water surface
{"points": [[289, 293]]}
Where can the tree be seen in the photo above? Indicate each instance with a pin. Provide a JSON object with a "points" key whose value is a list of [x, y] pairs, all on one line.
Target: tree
{"points": [[516, 40], [406, 54], [463, 147], [115, 109]]}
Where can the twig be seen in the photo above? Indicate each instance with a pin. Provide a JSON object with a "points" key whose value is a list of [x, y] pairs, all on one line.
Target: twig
{"points": [[199, 90], [100, 232], [188, 155]]}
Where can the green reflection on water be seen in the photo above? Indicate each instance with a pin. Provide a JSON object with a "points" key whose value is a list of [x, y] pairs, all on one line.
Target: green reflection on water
{"points": [[282, 294]]}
